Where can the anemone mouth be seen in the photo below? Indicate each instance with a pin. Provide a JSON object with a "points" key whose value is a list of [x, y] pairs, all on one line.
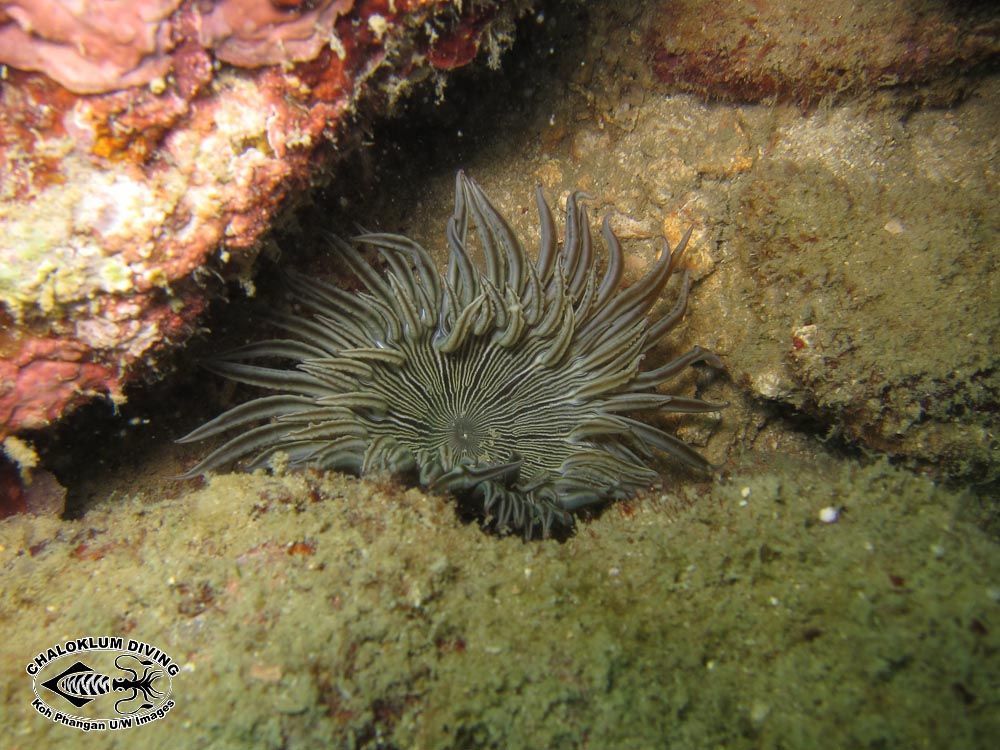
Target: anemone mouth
{"points": [[516, 383], [466, 436]]}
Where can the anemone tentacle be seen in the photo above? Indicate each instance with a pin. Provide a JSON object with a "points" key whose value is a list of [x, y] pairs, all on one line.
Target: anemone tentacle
{"points": [[516, 383]]}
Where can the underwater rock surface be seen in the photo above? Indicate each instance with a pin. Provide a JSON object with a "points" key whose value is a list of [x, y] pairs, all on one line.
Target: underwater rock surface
{"points": [[310, 609]]}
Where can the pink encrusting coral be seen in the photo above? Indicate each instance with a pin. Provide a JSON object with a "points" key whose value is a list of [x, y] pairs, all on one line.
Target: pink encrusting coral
{"points": [[141, 142], [88, 47], [249, 33], [104, 45]]}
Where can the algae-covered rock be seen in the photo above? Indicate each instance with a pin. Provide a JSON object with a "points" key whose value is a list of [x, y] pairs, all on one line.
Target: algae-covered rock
{"points": [[870, 242], [313, 610]]}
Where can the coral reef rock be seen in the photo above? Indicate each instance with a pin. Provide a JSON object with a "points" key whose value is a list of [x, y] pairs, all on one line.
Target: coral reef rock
{"points": [[143, 142], [804, 52]]}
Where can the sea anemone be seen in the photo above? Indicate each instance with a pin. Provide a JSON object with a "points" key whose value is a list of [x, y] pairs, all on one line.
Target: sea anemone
{"points": [[514, 385]]}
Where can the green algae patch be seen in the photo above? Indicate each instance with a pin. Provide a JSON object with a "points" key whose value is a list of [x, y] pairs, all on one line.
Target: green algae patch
{"points": [[312, 610]]}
